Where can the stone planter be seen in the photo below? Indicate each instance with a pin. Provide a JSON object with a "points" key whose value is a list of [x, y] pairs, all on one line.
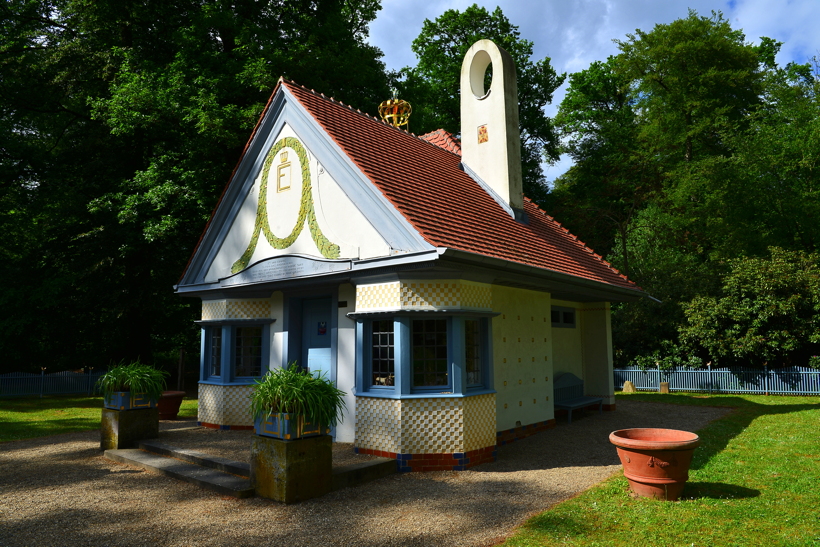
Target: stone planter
{"points": [[125, 428], [656, 461], [169, 403], [291, 471]]}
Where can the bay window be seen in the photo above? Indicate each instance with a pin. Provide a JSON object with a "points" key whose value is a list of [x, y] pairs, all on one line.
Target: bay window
{"points": [[234, 352], [404, 354]]}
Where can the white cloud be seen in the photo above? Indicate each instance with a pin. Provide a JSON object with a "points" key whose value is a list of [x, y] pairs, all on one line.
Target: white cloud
{"points": [[576, 33]]}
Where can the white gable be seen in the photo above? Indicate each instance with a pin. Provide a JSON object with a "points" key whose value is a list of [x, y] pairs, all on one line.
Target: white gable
{"points": [[303, 211], [296, 206]]}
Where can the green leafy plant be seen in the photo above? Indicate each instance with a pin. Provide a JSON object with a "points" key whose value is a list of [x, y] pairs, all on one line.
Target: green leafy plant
{"points": [[135, 377], [294, 390], [769, 312]]}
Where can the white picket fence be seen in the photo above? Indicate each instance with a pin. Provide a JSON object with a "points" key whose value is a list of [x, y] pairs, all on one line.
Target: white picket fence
{"points": [[15, 384], [779, 381]]}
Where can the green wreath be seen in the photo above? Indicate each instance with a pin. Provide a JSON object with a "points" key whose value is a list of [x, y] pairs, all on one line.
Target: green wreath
{"points": [[328, 249]]}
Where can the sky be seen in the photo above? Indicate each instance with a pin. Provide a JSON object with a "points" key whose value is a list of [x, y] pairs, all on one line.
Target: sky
{"points": [[574, 33]]}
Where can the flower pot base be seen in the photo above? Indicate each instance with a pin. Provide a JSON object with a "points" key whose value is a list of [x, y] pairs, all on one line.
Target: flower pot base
{"points": [[669, 491]]}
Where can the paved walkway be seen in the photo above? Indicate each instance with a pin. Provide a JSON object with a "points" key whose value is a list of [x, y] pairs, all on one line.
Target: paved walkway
{"points": [[61, 491]]}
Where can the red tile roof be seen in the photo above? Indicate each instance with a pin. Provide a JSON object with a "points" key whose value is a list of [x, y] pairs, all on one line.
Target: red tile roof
{"points": [[443, 139], [447, 207]]}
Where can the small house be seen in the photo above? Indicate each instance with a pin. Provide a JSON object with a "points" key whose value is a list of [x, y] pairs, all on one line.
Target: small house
{"points": [[409, 269]]}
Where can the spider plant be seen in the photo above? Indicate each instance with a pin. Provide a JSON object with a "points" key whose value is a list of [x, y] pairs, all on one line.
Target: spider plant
{"points": [[293, 390], [134, 377]]}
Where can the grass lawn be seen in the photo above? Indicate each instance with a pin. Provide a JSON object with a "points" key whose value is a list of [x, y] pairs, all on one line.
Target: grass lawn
{"points": [[27, 417], [754, 481]]}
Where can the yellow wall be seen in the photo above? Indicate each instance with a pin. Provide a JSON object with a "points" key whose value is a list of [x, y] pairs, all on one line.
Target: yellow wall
{"points": [[597, 351], [567, 345], [522, 357]]}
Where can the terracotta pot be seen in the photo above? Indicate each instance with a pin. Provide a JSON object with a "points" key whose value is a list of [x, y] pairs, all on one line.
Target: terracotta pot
{"points": [[169, 403], [656, 461]]}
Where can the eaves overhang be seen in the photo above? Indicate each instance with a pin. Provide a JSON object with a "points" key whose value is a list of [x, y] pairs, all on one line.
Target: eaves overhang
{"points": [[561, 285], [253, 281]]}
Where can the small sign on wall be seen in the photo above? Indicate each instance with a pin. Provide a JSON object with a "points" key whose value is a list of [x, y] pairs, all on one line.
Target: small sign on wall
{"points": [[482, 134], [322, 330]]}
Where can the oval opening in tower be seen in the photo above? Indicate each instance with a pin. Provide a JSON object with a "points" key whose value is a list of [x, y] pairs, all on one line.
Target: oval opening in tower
{"points": [[481, 74]]}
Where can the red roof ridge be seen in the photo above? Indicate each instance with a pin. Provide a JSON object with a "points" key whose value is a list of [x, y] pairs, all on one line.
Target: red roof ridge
{"points": [[584, 245], [340, 103], [444, 140], [370, 116]]}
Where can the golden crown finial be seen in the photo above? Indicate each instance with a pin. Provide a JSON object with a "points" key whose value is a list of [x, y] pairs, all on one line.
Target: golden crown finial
{"points": [[395, 111]]}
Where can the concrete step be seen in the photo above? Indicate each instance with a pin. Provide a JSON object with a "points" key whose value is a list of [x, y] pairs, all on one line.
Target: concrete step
{"points": [[343, 476], [191, 456], [227, 476], [204, 477]]}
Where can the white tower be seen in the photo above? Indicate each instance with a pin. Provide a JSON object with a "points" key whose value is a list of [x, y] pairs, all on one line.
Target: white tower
{"points": [[490, 136]]}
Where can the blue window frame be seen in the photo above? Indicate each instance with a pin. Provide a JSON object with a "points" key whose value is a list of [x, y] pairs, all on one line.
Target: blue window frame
{"points": [[234, 352], [405, 355], [382, 353]]}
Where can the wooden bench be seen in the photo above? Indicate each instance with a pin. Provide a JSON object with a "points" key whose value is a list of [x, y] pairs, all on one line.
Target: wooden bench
{"points": [[568, 394]]}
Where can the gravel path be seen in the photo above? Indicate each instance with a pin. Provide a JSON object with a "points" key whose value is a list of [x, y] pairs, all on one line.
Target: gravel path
{"points": [[60, 491]]}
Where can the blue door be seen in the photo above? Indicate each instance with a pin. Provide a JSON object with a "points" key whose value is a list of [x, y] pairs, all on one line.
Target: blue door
{"points": [[316, 335]]}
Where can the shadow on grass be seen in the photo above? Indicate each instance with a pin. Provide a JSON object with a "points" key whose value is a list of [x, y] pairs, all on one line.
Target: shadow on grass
{"points": [[717, 490], [557, 525]]}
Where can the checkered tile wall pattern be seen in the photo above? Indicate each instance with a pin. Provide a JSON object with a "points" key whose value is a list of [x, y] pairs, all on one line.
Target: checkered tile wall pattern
{"points": [[435, 425], [236, 309], [424, 295], [383, 296], [378, 424], [479, 421], [213, 309], [225, 405]]}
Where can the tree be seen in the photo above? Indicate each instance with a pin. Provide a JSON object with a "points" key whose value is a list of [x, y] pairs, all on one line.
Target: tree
{"points": [[120, 122], [692, 78], [432, 87], [768, 312], [659, 181], [612, 178]]}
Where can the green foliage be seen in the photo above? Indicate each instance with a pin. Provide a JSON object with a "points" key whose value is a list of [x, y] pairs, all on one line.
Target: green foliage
{"points": [[135, 377], [768, 312], [670, 356], [432, 87], [294, 390], [120, 124], [692, 148], [692, 78], [612, 177]]}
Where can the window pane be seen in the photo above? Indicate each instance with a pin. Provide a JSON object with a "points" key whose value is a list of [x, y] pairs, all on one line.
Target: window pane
{"points": [[382, 361], [248, 351], [216, 351], [472, 358], [430, 364]]}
